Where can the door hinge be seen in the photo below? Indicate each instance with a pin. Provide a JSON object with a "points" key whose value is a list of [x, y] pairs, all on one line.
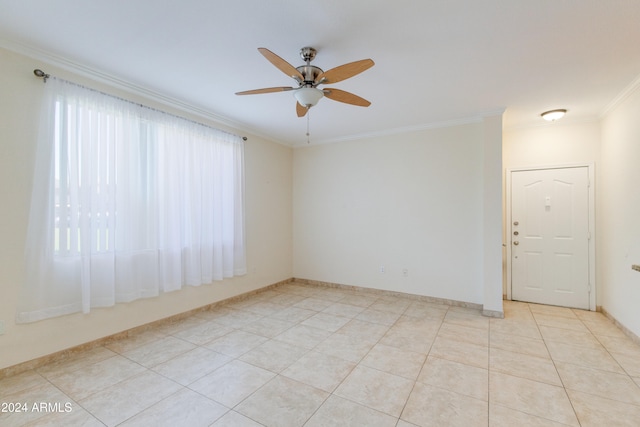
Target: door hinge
{"points": [[588, 235], [589, 287]]}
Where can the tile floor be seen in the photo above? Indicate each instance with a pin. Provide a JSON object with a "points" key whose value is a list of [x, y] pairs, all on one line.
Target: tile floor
{"points": [[300, 355]]}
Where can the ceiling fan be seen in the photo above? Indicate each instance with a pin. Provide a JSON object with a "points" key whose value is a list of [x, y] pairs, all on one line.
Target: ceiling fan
{"points": [[309, 77]]}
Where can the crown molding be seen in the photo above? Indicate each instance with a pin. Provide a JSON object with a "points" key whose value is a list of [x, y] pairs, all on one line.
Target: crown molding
{"points": [[541, 124], [626, 92], [409, 129]]}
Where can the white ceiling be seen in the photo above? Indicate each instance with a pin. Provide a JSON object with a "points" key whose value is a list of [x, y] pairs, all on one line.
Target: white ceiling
{"points": [[437, 61]]}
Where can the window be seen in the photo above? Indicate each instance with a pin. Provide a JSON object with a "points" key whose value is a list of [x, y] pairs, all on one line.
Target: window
{"points": [[127, 202]]}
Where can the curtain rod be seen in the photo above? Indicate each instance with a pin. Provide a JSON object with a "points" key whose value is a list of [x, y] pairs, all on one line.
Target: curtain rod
{"points": [[44, 76]]}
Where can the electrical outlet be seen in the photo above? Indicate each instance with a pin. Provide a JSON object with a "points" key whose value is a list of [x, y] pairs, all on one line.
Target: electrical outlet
{"points": [[405, 272], [1, 327]]}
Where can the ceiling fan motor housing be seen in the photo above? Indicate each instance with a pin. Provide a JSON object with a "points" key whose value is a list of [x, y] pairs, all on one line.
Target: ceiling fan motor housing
{"points": [[310, 73]]}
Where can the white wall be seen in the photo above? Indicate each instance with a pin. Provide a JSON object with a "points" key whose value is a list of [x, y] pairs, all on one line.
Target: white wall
{"points": [[552, 144], [411, 201], [619, 213], [268, 225]]}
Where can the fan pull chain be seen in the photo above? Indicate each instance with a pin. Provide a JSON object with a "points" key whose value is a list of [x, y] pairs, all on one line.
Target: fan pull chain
{"points": [[308, 114]]}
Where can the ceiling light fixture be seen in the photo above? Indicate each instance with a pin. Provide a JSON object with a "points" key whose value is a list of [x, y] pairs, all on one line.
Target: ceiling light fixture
{"points": [[553, 115], [308, 96]]}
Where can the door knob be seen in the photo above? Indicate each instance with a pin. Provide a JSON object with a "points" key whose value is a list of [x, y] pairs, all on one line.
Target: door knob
{"points": [[516, 243]]}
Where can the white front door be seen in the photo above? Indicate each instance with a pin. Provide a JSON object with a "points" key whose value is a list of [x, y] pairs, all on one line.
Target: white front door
{"points": [[550, 236]]}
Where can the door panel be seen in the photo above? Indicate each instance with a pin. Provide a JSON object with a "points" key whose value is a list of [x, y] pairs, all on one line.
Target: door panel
{"points": [[549, 236]]}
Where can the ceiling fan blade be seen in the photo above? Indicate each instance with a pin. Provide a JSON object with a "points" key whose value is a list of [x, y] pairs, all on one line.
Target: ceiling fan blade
{"points": [[265, 90], [281, 64], [345, 71], [346, 97], [301, 110]]}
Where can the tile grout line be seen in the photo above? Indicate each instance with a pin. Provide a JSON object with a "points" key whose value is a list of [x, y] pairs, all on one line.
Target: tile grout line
{"points": [[426, 358], [279, 374], [146, 369], [237, 358], [564, 387], [489, 371], [613, 357], [354, 368]]}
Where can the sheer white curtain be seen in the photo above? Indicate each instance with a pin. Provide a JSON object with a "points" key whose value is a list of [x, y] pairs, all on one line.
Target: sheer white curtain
{"points": [[127, 202]]}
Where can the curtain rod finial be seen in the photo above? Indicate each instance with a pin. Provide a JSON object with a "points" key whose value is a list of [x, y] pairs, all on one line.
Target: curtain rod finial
{"points": [[39, 73]]}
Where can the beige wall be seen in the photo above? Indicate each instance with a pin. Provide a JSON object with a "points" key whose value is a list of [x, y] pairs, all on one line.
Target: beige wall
{"points": [[551, 145], [619, 213], [412, 201], [268, 225]]}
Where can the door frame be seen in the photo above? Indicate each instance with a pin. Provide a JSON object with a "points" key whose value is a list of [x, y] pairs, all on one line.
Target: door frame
{"points": [[592, 232]]}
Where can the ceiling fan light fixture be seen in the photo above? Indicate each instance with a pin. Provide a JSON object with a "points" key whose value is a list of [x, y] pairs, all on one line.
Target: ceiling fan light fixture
{"points": [[308, 96], [553, 115], [308, 77]]}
